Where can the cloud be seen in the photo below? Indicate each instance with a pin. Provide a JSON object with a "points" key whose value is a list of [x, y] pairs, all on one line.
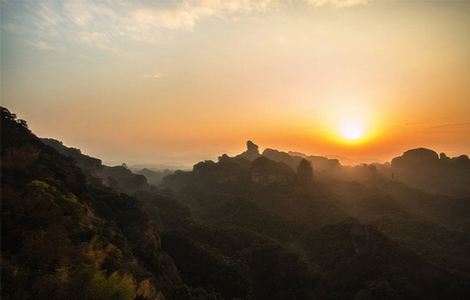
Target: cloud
{"points": [[98, 39], [83, 13], [102, 23], [109, 25], [153, 76], [337, 3], [186, 14], [48, 15], [42, 45]]}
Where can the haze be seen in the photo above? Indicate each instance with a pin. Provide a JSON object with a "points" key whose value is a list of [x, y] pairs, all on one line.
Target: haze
{"points": [[177, 82]]}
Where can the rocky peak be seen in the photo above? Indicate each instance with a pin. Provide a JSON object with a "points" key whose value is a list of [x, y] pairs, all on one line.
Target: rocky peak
{"points": [[252, 151], [252, 147], [418, 156]]}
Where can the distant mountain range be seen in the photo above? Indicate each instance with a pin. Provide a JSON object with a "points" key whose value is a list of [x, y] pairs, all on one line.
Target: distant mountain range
{"points": [[259, 225]]}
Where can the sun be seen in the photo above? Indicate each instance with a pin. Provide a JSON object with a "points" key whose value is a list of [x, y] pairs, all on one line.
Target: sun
{"points": [[352, 130], [350, 124]]}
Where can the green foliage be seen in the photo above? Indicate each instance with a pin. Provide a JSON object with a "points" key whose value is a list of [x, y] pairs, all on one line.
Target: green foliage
{"points": [[97, 286], [59, 239], [46, 224]]}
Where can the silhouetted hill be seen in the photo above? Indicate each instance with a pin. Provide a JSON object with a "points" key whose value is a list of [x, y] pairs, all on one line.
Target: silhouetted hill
{"points": [[251, 152], [253, 226], [360, 262], [119, 178], [154, 177], [63, 237], [425, 169], [383, 259], [433, 226], [83, 161], [279, 156], [320, 163], [323, 166], [251, 167]]}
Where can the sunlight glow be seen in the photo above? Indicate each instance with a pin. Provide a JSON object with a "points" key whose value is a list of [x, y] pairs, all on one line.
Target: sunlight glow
{"points": [[352, 130]]}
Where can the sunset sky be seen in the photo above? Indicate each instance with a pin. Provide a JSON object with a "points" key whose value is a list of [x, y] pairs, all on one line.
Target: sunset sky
{"points": [[175, 82]]}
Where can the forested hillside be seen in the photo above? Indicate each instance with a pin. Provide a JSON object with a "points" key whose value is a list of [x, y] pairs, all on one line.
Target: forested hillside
{"points": [[257, 225]]}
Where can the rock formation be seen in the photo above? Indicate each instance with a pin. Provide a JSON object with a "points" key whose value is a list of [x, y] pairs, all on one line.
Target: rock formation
{"points": [[251, 152]]}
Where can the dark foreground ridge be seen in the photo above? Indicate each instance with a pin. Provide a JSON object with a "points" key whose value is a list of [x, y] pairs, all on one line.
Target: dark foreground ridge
{"points": [[269, 225]]}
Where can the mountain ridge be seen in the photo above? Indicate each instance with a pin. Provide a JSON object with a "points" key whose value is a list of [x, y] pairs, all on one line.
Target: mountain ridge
{"points": [[246, 227]]}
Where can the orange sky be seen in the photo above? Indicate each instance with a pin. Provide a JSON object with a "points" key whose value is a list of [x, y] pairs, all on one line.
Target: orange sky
{"points": [[177, 82]]}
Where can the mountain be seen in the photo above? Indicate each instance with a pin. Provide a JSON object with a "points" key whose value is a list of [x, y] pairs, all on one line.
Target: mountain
{"points": [[65, 237], [440, 174], [253, 226], [119, 178], [322, 164], [393, 231], [251, 152], [154, 177]]}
